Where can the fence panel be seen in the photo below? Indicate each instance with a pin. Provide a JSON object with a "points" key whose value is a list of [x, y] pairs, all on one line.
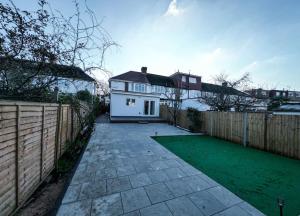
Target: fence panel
{"points": [[32, 137], [256, 130], [274, 133], [8, 141]]}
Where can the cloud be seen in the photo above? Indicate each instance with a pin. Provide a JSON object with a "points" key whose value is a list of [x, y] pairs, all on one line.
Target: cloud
{"points": [[173, 9]]}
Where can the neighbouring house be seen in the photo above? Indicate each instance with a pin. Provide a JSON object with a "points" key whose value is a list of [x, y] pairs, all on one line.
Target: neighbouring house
{"points": [[290, 108], [274, 94], [68, 79], [139, 94]]}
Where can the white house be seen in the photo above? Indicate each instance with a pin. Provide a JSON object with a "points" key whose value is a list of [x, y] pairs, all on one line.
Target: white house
{"points": [[139, 94]]}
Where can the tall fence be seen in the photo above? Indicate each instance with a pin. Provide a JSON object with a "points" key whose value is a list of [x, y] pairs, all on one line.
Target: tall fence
{"points": [[279, 134], [32, 138]]}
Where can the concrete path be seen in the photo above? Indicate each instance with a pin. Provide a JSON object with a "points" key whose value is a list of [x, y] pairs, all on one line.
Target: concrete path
{"points": [[125, 172]]}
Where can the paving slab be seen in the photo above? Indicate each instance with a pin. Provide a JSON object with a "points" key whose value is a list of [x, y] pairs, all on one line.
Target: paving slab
{"points": [[106, 174], [79, 208], [178, 187], [118, 184], [156, 210], [91, 190], [72, 193], [107, 205], [135, 199], [226, 197], [125, 172], [158, 176], [196, 183], [174, 173], [158, 193], [206, 202], [183, 206], [139, 180], [233, 211], [133, 213]]}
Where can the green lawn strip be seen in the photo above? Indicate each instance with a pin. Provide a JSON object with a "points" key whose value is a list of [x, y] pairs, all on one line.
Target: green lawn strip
{"points": [[256, 176]]}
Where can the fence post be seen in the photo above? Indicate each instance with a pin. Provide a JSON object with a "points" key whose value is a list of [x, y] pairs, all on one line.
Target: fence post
{"points": [[72, 124], [57, 136], [211, 123], [245, 129], [17, 154], [266, 131], [42, 143], [60, 129]]}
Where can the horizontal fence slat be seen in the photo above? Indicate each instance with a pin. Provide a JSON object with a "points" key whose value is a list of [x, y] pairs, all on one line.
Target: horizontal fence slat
{"points": [[23, 169], [279, 134]]}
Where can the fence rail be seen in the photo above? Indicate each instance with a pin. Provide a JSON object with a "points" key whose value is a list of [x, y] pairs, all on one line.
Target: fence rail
{"points": [[32, 138], [279, 134]]}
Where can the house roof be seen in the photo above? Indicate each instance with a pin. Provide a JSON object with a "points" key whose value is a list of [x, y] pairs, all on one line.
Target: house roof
{"points": [[207, 87], [49, 69], [186, 74], [160, 80], [166, 81], [152, 79], [133, 76]]}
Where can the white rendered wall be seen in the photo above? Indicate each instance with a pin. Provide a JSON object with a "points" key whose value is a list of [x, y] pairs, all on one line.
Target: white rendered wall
{"points": [[119, 107], [117, 85], [72, 86]]}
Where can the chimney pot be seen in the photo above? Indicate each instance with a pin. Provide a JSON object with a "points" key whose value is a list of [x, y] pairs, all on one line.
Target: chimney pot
{"points": [[224, 84], [144, 69]]}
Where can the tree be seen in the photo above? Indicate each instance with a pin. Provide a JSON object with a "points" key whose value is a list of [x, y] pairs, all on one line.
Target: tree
{"points": [[229, 95], [42, 39], [102, 87], [173, 102]]}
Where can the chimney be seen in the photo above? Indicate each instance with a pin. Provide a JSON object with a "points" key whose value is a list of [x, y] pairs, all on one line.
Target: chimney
{"points": [[144, 69], [224, 84]]}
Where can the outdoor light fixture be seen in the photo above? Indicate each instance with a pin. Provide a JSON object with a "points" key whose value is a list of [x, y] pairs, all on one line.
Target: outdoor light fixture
{"points": [[280, 204]]}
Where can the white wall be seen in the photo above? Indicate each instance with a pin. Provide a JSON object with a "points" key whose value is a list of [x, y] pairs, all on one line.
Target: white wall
{"points": [[117, 85], [119, 107], [72, 86], [194, 103]]}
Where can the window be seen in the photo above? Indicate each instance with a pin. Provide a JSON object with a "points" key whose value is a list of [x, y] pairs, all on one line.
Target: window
{"points": [[146, 107], [158, 89], [192, 80], [183, 78], [138, 87], [152, 107], [264, 93], [277, 94], [130, 102]]}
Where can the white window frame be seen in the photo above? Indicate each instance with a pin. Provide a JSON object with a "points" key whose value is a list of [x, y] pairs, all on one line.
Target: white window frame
{"points": [[139, 87], [130, 102], [192, 80], [183, 78]]}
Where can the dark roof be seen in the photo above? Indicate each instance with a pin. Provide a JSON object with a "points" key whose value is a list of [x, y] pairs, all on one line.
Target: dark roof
{"points": [[185, 74], [207, 87], [152, 79], [133, 76], [50, 69], [160, 80]]}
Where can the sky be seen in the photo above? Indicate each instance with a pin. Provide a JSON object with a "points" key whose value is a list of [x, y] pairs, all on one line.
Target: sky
{"points": [[203, 37]]}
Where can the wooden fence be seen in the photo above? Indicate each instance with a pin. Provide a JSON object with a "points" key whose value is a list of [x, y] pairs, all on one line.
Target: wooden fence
{"points": [[32, 138], [279, 134]]}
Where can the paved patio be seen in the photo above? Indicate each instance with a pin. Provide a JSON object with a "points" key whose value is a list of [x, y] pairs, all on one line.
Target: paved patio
{"points": [[125, 172]]}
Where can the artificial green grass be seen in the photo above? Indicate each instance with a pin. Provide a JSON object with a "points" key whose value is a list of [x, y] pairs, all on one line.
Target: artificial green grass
{"points": [[258, 177]]}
